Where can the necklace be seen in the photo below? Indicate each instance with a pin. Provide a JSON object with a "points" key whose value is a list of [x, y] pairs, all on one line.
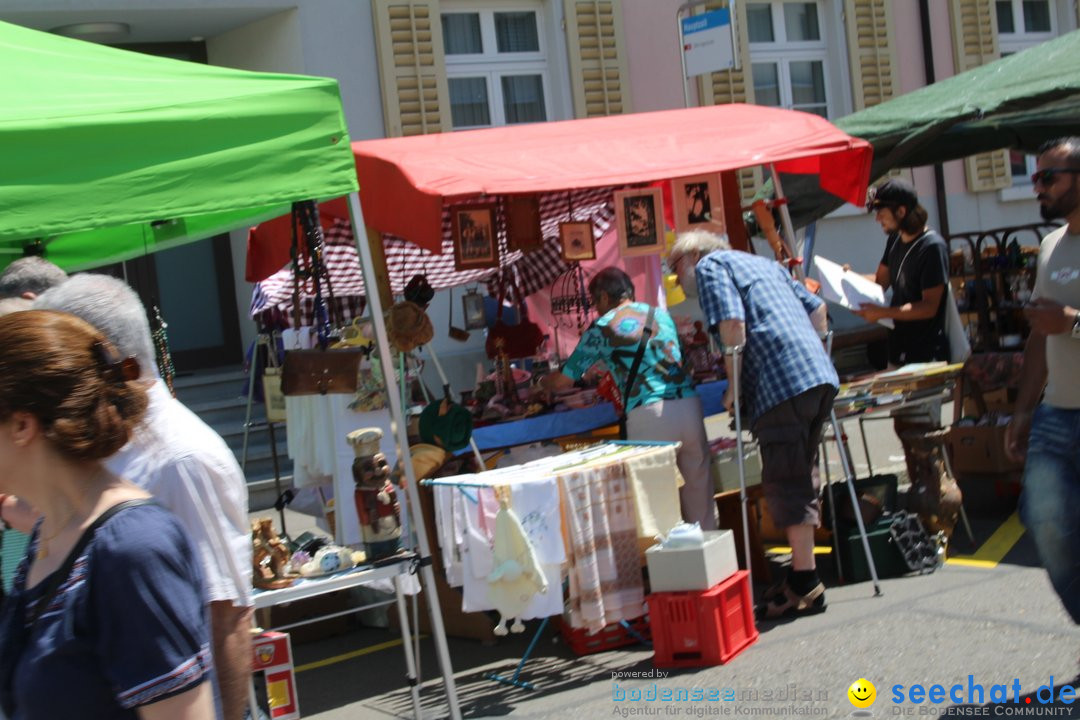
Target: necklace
{"points": [[43, 542]]}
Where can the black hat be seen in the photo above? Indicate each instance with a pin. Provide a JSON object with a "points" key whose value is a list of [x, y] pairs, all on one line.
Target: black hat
{"points": [[893, 193]]}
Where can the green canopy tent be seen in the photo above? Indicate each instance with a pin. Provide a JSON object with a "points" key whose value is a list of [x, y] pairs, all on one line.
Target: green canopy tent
{"points": [[109, 154], [1017, 102]]}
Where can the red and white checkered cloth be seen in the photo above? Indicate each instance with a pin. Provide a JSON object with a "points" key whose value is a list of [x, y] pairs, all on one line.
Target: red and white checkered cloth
{"points": [[534, 271]]}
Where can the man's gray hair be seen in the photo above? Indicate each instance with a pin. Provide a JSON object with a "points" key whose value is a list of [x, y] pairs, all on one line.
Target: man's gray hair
{"points": [[14, 304], [30, 275], [112, 307], [701, 242]]}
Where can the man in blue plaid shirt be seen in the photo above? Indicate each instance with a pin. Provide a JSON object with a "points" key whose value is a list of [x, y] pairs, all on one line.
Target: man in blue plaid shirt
{"points": [[787, 385]]}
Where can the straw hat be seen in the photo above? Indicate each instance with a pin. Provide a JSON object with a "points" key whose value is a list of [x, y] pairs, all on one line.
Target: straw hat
{"points": [[408, 326]]}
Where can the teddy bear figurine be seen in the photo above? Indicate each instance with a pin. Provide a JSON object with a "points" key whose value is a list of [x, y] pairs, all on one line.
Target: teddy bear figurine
{"points": [[375, 497]]}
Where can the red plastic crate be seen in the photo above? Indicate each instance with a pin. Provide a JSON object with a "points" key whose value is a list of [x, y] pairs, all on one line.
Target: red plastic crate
{"points": [[611, 637], [703, 627]]}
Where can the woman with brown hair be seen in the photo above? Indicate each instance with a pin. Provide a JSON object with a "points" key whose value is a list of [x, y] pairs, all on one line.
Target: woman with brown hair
{"points": [[106, 617]]}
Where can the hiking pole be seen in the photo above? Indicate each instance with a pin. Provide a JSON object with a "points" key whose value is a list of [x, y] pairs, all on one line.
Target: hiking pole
{"points": [[735, 351]]}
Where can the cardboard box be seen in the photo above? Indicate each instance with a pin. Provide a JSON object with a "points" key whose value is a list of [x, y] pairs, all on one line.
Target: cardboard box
{"points": [[996, 401], [694, 568], [980, 449], [725, 468]]}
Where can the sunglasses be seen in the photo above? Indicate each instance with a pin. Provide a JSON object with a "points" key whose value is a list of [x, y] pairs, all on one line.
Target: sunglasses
{"points": [[1046, 176]]}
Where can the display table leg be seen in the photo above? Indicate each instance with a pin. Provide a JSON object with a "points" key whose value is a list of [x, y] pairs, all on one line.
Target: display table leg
{"points": [[406, 639]]}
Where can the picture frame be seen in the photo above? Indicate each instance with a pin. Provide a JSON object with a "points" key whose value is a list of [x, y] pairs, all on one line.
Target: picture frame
{"points": [[472, 304], [639, 214], [699, 204], [523, 231], [476, 244], [576, 241]]}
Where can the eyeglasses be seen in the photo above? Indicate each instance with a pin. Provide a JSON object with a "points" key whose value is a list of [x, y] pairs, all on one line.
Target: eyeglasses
{"points": [[1046, 175], [674, 264]]}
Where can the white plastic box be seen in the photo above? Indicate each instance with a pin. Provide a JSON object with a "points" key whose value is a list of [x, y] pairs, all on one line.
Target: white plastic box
{"points": [[693, 568]]}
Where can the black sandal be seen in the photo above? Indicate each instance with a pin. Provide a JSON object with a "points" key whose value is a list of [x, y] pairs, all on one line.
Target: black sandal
{"points": [[786, 604]]}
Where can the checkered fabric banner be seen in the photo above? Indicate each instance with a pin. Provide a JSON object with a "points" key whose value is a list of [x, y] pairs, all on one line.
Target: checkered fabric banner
{"points": [[534, 271], [272, 299]]}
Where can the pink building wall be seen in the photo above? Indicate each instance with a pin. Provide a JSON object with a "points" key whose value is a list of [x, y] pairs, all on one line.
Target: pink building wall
{"points": [[653, 55]]}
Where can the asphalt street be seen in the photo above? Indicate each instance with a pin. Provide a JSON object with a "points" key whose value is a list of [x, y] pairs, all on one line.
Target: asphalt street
{"points": [[981, 627], [978, 622]]}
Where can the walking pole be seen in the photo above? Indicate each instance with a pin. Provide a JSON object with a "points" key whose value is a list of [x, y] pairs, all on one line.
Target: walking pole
{"points": [[735, 352]]}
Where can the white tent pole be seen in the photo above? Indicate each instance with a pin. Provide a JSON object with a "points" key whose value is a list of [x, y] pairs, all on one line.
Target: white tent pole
{"points": [[397, 414]]}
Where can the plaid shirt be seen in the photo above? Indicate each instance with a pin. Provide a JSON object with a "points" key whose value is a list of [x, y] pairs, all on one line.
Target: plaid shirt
{"points": [[783, 356]]}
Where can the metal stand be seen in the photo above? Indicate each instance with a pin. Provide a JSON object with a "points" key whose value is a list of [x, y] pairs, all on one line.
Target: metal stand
{"points": [[735, 353], [849, 475], [261, 341], [517, 672]]}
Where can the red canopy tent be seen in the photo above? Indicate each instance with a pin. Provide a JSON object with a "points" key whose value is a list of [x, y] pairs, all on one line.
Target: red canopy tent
{"points": [[406, 183]]}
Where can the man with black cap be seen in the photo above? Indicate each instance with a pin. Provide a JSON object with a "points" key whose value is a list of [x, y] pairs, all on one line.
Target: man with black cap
{"points": [[915, 267]]}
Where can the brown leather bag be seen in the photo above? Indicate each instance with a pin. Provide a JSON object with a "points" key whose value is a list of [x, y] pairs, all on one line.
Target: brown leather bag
{"points": [[318, 372]]}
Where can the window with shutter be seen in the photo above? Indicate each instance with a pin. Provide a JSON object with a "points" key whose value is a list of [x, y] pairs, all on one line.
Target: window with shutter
{"points": [[1023, 24], [975, 42], [409, 42], [496, 63], [594, 41]]}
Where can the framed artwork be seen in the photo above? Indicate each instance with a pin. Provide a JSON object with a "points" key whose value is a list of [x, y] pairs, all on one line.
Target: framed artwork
{"points": [[698, 203], [475, 243], [576, 240], [639, 214], [523, 223], [473, 306]]}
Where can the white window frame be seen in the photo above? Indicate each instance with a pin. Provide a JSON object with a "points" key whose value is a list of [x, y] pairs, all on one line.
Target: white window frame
{"points": [[492, 65], [783, 53], [1014, 42]]}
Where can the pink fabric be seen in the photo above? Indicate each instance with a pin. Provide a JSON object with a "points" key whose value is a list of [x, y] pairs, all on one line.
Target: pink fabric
{"points": [[645, 271]]}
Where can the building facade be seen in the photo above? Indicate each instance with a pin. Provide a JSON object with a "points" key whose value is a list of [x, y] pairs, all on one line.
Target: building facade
{"points": [[419, 66]]}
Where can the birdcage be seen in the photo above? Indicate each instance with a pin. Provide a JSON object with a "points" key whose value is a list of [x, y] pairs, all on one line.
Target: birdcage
{"points": [[570, 305]]}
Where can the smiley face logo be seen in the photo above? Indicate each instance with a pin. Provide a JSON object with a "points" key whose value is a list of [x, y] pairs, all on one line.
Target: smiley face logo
{"points": [[862, 693]]}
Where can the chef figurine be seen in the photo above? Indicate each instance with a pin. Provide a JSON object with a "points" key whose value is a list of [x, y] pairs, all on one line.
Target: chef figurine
{"points": [[375, 496]]}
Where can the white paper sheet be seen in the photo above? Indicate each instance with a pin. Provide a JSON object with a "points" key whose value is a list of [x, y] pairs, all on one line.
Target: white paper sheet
{"points": [[848, 289]]}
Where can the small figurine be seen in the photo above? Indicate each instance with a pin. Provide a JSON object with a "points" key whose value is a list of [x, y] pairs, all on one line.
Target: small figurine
{"points": [[270, 557], [375, 496]]}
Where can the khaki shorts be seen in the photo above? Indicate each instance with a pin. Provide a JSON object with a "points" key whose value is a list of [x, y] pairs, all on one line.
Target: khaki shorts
{"points": [[789, 436]]}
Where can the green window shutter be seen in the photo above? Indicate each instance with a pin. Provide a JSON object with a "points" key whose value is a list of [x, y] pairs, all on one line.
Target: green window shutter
{"points": [[869, 27], [974, 26], [408, 38], [734, 86], [598, 73]]}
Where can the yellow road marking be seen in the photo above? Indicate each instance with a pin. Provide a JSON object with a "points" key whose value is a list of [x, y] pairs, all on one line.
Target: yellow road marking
{"points": [[782, 550], [349, 655], [994, 550]]}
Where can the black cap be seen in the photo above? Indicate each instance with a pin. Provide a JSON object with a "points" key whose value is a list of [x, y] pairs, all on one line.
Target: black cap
{"points": [[893, 193]]}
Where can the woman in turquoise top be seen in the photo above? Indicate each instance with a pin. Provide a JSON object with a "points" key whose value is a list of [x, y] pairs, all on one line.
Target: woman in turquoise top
{"points": [[662, 404]]}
